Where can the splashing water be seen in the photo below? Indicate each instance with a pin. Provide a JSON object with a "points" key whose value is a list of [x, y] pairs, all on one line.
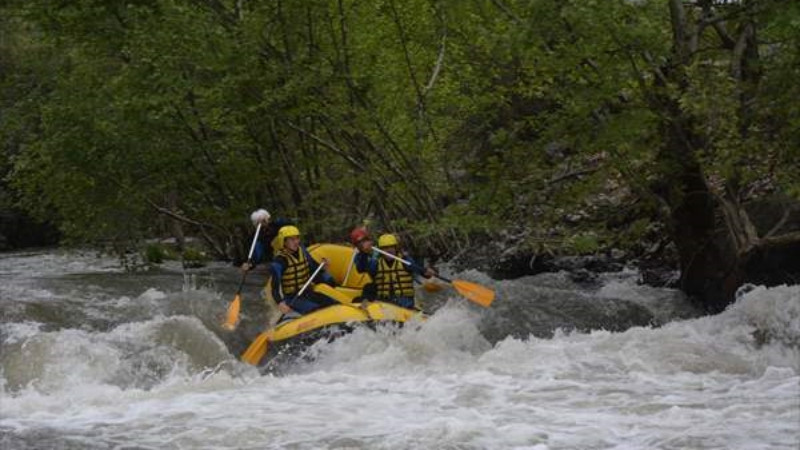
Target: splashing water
{"points": [[139, 361]]}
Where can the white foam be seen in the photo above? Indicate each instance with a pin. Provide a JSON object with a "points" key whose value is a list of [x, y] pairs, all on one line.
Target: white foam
{"points": [[725, 381]]}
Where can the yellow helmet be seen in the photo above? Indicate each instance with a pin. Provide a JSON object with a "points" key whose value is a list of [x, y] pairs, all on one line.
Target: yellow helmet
{"points": [[283, 233], [289, 231], [387, 240]]}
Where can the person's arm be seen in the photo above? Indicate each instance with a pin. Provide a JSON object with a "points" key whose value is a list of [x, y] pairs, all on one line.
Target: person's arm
{"points": [[259, 253], [365, 263], [325, 277], [264, 246], [276, 270], [416, 269]]}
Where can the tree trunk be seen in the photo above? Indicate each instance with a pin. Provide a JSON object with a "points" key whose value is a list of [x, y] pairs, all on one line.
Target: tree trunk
{"points": [[719, 247], [711, 268]]}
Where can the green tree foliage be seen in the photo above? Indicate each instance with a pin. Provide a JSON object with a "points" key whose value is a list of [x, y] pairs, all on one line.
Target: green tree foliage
{"points": [[446, 118]]}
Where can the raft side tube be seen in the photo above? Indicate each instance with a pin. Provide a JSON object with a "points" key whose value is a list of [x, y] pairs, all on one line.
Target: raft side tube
{"points": [[341, 264]]}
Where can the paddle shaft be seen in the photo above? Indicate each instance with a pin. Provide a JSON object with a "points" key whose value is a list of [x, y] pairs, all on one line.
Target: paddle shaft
{"points": [[253, 244], [236, 304], [249, 258], [350, 266], [311, 278]]}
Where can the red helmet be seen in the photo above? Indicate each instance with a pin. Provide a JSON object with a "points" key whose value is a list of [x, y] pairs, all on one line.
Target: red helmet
{"points": [[358, 235]]}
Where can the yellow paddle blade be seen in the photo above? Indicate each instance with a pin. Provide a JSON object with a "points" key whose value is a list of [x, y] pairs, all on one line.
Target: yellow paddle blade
{"points": [[233, 313], [431, 286], [474, 292], [257, 349]]}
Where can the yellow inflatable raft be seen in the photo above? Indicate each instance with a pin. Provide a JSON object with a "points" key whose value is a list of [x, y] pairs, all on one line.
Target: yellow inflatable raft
{"points": [[341, 266]]}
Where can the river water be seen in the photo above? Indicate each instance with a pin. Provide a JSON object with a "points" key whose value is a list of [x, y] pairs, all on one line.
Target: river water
{"points": [[92, 357]]}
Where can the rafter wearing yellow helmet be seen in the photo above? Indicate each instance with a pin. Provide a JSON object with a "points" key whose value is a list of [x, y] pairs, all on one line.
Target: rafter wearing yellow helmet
{"points": [[393, 281], [291, 269]]}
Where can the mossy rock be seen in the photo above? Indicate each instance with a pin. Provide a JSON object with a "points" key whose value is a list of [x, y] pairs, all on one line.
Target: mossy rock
{"points": [[193, 258], [158, 253]]}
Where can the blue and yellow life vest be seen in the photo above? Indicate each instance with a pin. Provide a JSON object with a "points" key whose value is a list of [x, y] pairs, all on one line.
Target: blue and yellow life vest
{"points": [[296, 273], [392, 280]]}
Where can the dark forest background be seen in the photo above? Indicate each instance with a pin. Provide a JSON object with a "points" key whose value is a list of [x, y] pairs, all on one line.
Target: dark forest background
{"points": [[507, 128]]}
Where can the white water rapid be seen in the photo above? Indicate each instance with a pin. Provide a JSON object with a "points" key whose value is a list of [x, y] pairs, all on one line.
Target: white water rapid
{"points": [[93, 358]]}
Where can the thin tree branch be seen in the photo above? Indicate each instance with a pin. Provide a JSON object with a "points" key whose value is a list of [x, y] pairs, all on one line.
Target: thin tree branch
{"points": [[328, 145], [786, 214], [500, 5], [437, 67]]}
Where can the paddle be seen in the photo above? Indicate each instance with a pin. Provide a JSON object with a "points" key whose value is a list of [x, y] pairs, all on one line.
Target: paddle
{"points": [[431, 286], [236, 304], [258, 348], [471, 291]]}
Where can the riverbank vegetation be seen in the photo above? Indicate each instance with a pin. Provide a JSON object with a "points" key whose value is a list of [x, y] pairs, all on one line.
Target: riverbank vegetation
{"points": [[548, 126]]}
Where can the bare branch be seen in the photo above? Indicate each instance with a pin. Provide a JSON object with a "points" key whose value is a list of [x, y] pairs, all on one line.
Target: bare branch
{"points": [[779, 241], [183, 219], [727, 40], [330, 146], [679, 28], [573, 174], [437, 67], [786, 214], [507, 11], [404, 43], [739, 50], [226, 17], [239, 9], [173, 215]]}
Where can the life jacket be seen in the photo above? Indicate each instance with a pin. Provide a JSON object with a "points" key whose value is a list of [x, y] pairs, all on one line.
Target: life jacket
{"points": [[392, 280], [296, 273]]}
